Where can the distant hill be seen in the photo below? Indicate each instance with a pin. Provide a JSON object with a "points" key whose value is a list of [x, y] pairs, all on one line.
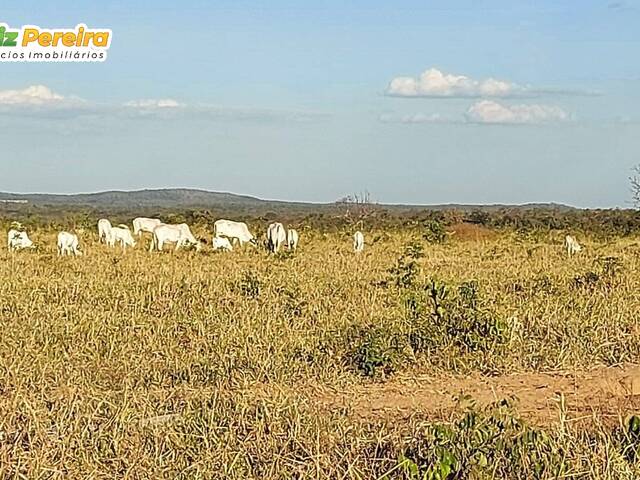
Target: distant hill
{"points": [[180, 198], [162, 198]]}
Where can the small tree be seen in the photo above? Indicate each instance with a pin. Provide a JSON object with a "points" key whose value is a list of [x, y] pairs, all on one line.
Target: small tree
{"points": [[635, 185], [357, 207]]}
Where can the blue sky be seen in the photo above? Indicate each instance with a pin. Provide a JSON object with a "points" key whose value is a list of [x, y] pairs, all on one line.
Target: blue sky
{"points": [[417, 102]]}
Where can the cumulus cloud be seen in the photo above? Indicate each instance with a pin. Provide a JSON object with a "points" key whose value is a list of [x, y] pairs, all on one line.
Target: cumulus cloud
{"points": [[35, 95], [435, 83], [488, 111], [41, 102]]}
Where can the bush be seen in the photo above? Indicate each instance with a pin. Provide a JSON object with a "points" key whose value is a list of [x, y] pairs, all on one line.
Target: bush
{"points": [[373, 350], [406, 270], [488, 443], [454, 319], [434, 232]]}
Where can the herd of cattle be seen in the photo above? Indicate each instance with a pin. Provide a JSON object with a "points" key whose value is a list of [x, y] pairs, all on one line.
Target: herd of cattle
{"points": [[226, 233]]}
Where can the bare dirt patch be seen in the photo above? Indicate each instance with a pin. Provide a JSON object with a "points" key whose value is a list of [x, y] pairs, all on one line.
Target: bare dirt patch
{"points": [[471, 232], [604, 395]]}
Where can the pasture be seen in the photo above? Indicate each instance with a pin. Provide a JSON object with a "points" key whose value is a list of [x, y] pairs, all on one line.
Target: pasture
{"points": [[487, 356]]}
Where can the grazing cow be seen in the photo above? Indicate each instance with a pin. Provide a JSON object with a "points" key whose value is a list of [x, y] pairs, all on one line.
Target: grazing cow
{"points": [[17, 240], [358, 242], [179, 234], [221, 243], [142, 224], [234, 231], [104, 226], [292, 239], [572, 246], [276, 237], [68, 244], [120, 235]]}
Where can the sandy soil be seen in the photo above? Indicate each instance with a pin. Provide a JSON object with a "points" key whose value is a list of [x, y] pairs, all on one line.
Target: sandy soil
{"points": [[603, 395]]}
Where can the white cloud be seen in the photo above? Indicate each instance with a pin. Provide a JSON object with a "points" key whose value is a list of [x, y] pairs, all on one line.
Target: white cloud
{"points": [[487, 111], [435, 83], [39, 101], [35, 95], [154, 103]]}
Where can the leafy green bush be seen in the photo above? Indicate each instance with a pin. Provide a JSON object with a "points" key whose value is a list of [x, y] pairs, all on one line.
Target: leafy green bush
{"points": [[454, 319], [405, 272], [488, 443], [434, 232], [374, 350]]}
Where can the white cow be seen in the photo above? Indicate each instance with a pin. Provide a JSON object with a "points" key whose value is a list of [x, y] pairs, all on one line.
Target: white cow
{"points": [[221, 243], [104, 226], [179, 234], [68, 244], [571, 244], [292, 239], [122, 236], [17, 240], [358, 242], [276, 237], [142, 224], [234, 231]]}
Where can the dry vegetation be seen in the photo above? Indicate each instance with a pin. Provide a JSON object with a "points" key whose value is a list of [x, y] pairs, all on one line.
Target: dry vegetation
{"points": [[322, 364]]}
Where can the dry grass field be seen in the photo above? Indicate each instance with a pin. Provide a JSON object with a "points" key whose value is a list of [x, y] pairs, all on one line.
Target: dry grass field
{"points": [[490, 356]]}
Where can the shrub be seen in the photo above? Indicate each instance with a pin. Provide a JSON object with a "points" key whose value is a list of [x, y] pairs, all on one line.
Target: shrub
{"points": [[373, 350], [434, 232]]}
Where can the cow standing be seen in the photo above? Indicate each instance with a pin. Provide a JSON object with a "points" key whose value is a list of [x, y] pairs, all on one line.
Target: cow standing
{"points": [[358, 242], [571, 245], [292, 239], [276, 237], [68, 244], [234, 231], [142, 224], [121, 235], [179, 234], [104, 227]]}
